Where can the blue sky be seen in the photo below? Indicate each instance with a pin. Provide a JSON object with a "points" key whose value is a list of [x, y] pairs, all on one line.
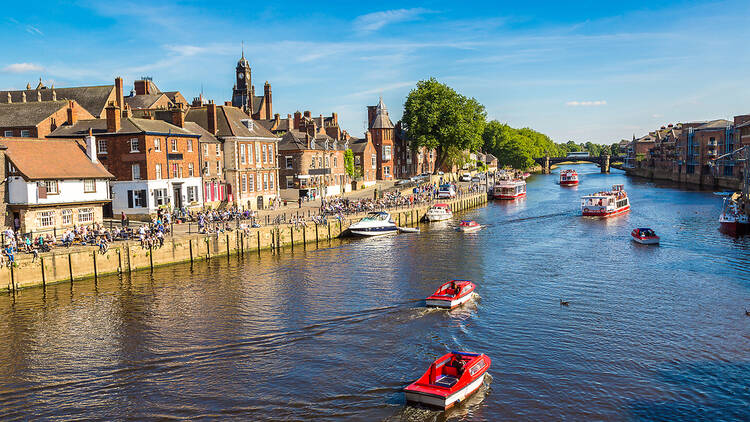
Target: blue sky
{"points": [[583, 71]]}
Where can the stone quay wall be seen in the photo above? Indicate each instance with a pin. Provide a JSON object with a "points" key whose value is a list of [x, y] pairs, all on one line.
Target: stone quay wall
{"points": [[69, 265], [703, 180]]}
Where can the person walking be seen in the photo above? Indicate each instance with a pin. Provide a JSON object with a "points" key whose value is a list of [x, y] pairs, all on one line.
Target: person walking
{"points": [[123, 219]]}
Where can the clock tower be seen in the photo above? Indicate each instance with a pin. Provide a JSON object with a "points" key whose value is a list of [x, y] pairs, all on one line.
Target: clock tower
{"points": [[243, 89]]}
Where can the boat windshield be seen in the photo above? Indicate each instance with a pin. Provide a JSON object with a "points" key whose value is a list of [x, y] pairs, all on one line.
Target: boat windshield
{"points": [[376, 216]]}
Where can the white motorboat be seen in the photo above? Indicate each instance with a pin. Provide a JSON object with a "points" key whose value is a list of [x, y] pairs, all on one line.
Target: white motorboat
{"points": [[374, 224], [439, 212]]}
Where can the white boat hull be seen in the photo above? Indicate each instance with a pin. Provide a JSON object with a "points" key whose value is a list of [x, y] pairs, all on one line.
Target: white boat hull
{"points": [[450, 304], [438, 217], [448, 401], [645, 241], [371, 233]]}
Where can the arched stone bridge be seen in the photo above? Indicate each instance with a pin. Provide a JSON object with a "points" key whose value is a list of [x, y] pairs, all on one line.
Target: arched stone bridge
{"points": [[602, 161]]}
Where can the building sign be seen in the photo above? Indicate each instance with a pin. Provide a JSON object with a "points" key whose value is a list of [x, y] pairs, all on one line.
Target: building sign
{"points": [[174, 156]]}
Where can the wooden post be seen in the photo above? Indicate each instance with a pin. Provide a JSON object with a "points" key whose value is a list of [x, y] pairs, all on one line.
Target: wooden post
{"points": [[190, 242], [291, 232], [119, 260], [95, 272], [70, 268], [316, 233], [208, 249], [44, 280], [304, 236], [258, 232], [151, 257], [13, 279], [227, 247], [329, 229]]}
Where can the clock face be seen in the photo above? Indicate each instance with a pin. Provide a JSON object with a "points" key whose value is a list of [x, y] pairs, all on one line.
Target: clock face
{"points": [[242, 76]]}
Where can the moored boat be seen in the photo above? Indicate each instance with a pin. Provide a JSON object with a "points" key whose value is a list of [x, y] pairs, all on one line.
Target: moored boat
{"points": [[439, 212], [606, 204], [374, 224], [732, 220], [509, 189], [451, 294], [469, 226], [568, 178], [449, 380], [645, 236]]}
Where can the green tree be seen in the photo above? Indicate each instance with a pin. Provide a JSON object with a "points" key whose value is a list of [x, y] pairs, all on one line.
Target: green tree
{"points": [[439, 118], [517, 147], [349, 163]]}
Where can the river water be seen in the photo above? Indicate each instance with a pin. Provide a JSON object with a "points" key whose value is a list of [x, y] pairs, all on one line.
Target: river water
{"points": [[336, 332]]}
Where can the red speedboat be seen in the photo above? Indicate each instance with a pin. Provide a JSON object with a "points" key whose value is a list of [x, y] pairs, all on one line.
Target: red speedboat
{"points": [[469, 226], [450, 380], [452, 294], [645, 236]]}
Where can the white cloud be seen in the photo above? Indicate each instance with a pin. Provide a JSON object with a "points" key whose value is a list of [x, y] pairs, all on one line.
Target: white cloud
{"points": [[22, 68], [586, 103], [376, 20], [31, 29]]}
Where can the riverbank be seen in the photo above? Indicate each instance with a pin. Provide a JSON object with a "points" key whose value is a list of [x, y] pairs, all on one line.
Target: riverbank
{"points": [[699, 180], [83, 263]]}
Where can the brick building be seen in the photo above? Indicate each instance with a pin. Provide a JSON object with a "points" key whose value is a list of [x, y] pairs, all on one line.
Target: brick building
{"points": [[44, 195], [301, 122], [411, 162], [92, 98], [383, 134], [313, 164], [249, 154], [155, 163], [243, 93], [366, 160], [38, 119], [145, 95]]}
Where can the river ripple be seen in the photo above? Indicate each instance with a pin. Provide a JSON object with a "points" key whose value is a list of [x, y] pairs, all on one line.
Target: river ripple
{"points": [[335, 333]]}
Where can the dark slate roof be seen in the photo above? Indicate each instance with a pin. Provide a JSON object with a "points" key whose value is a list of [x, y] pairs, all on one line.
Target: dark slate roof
{"points": [[92, 98], [229, 122], [714, 124], [143, 101], [358, 145], [295, 140], [128, 125], [32, 159], [257, 102], [381, 120], [172, 95], [206, 137], [268, 124], [28, 114]]}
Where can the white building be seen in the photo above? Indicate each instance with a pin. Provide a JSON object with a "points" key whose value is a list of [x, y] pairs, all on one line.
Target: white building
{"points": [[53, 184]]}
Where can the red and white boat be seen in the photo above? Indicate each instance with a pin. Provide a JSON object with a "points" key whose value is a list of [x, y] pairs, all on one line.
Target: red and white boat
{"points": [[645, 236], [439, 212], [568, 178], [732, 220], [606, 204], [469, 226], [449, 380], [509, 189], [452, 294]]}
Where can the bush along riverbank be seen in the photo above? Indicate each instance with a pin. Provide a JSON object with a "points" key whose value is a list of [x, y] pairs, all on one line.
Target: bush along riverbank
{"points": [[74, 264]]}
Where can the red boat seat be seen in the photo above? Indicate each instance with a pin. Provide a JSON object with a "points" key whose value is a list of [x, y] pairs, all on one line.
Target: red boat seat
{"points": [[449, 370], [449, 292]]}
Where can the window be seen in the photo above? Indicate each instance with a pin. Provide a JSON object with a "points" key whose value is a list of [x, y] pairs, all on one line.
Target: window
{"points": [[320, 162], [335, 161], [265, 158], [191, 170], [289, 162], [51, 186], [158, 171], [357, 160], [175, 170], [326, 160], [218, 150], [174, 145], [190, 145], [89, 185], [101, 146], [257, 153], [265, 181], [8, 133], [290, 182], [312, 163], [67, 217], [374, 161], [135, 170], [270, 181], [45, 218], [386, 153], [242, 153], [86, 215], [192, 193], [134, 145], [157, 144], [244, 183], [387, 170], [218, 168], [205, 149], [250, 182], [270, 154], [136, 199], [160, 197], [25, 134]]}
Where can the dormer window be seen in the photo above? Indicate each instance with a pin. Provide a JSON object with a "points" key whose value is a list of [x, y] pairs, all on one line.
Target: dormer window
{"points": [[248, 123]]}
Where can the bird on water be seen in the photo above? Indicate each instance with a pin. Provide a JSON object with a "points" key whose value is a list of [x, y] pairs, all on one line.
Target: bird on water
{"points": [[566, 303]]}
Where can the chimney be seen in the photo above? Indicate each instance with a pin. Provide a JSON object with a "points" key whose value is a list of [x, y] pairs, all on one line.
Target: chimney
{"points": [[335, 119], [308, 114], [118, 93], [178, 119], [228, 103], [71, 113], [91, 147], [297, 119], [211, 117], [39, 96], [127, 112], [113, 118], [268, 100]]}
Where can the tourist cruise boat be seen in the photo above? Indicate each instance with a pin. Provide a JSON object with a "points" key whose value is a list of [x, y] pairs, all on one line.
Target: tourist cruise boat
{"points": [[645, 236], [374, 224], [469, 226], [439, 212], [451, 294], [606, 204], [449, 380], [732, 220], [509, 189], [568, 178]]}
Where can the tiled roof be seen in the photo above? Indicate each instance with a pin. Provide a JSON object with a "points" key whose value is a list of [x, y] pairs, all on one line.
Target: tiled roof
{"points": [[128, 125], [32, 159], [358, 145], [28, 114], [143, 101], [206, 137], [92, 98], [381, 120], [714, 124], [229, 122], [257, 102], [295, 140]]}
